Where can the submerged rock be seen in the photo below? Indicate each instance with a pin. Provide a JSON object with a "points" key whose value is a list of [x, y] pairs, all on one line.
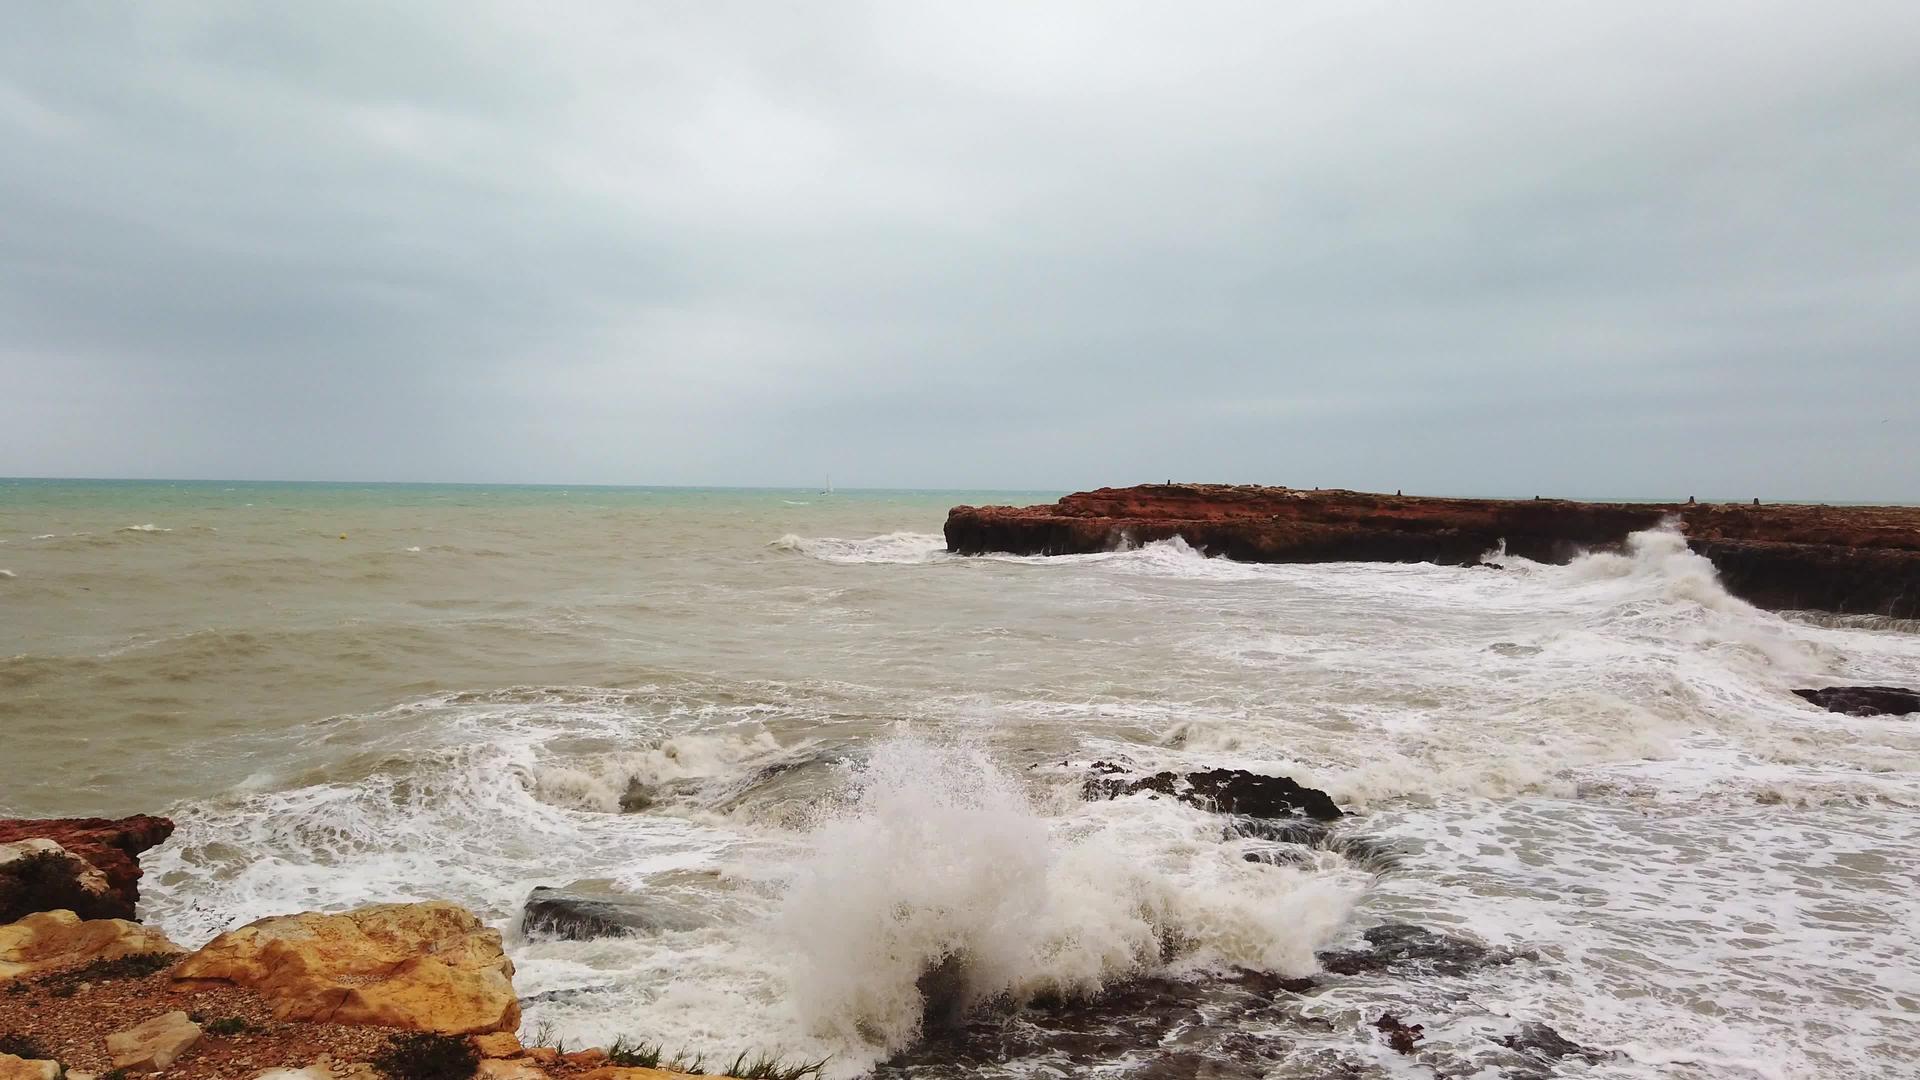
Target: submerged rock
{"points": [[1865, 700], [424, 967], [1544, 1047], [1402, 948], [110, 845], [586, 910], [1158, 1028], [1291, 842], [1226, 791], [1402, 1036]]}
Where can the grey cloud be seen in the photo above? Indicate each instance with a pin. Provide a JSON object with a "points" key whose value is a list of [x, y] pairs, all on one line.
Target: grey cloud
{"points": [[1494, 248]]}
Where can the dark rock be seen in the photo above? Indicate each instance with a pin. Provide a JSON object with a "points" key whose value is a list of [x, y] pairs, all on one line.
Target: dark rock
{"points": [[636, 798], [1402, 1036], [587, 910], [1865, 700], [1402, 948], [1853, 559], [111, 846], [1543, 1048], [1294, 839], [1226, 791], [1163, 1028]]}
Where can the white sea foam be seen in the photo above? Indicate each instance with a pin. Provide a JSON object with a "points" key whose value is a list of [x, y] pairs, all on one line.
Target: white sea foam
{"points": [[894, 547], [1600, 761], [7, 574], [149, 527], [942, 860]]}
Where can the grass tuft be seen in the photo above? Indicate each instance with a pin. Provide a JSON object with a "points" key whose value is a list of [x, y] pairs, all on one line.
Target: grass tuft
{"points": [[426, 1056], [228, 1025], [634, 1055], [763, 1067]]}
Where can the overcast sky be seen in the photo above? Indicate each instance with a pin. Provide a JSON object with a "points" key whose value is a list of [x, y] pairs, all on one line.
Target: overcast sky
{"points": [[1607, 248]]}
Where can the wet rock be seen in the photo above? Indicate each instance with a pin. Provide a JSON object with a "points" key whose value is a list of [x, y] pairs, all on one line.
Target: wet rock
{"points": [[636, 797], [1544, 1047], [1191, 1065], [1402, 948], [19, 1068], [1226, 791], [1291, 842], [423, 967], [110, 845], [54, 940], [1402, 1036], [153, 1045], [587, 910], [1865, 700], [1168, 1028]]}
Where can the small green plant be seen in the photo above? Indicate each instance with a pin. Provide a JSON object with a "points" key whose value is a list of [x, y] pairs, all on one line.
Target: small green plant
{"points": [[426, 1056], [228, 1025], [40, 880], [131, 966], [22, 1046], [635, 1055], [680, 1064], [544, 1036], [763, 1067]]}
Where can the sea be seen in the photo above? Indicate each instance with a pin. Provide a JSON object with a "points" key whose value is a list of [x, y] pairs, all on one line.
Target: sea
{"points": [[844, 773]]}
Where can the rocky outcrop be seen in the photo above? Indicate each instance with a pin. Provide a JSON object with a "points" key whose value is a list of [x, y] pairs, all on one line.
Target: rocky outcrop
{"points": [[40, 875], [1402, 948], [154, 1044], [1226, 791], [1865, 700], [425, 967], [586, 910], [1853, 559], [111, 846], [19, 1068], [53, 940]]}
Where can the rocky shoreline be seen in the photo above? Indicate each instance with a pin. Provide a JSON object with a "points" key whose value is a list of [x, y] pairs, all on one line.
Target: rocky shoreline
{"points": [[1862, 560], [416, 991]]}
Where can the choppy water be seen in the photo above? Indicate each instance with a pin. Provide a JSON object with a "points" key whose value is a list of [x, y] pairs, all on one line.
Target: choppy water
{"points": [[854, 744]]}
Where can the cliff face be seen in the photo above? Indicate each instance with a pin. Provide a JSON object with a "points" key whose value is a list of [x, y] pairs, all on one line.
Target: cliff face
{"points": [[1852, 559]]}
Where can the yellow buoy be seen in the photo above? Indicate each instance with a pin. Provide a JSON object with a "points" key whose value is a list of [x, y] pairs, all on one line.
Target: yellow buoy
{"points": [[343, 536]]}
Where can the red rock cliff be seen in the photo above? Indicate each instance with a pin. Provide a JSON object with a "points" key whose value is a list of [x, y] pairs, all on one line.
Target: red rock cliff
{"points": [[1855, 559]]}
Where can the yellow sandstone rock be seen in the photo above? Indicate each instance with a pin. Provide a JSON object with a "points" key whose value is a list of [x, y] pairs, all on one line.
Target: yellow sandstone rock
{"points": [[500, 1069], [499, 1044], [16, 1068], [47, 940], [153, 1045], [424, 967], [616, 1072]]}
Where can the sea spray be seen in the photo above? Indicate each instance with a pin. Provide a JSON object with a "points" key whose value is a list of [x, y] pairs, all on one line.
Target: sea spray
{"points": [[941, 889]]}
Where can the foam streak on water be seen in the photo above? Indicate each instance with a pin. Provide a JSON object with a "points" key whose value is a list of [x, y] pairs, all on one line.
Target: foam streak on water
{"points": [[842, 771]]}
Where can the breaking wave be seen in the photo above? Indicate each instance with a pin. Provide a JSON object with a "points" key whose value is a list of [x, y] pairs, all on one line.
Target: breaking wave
{"points": [[941, 888], [894, 547]]}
